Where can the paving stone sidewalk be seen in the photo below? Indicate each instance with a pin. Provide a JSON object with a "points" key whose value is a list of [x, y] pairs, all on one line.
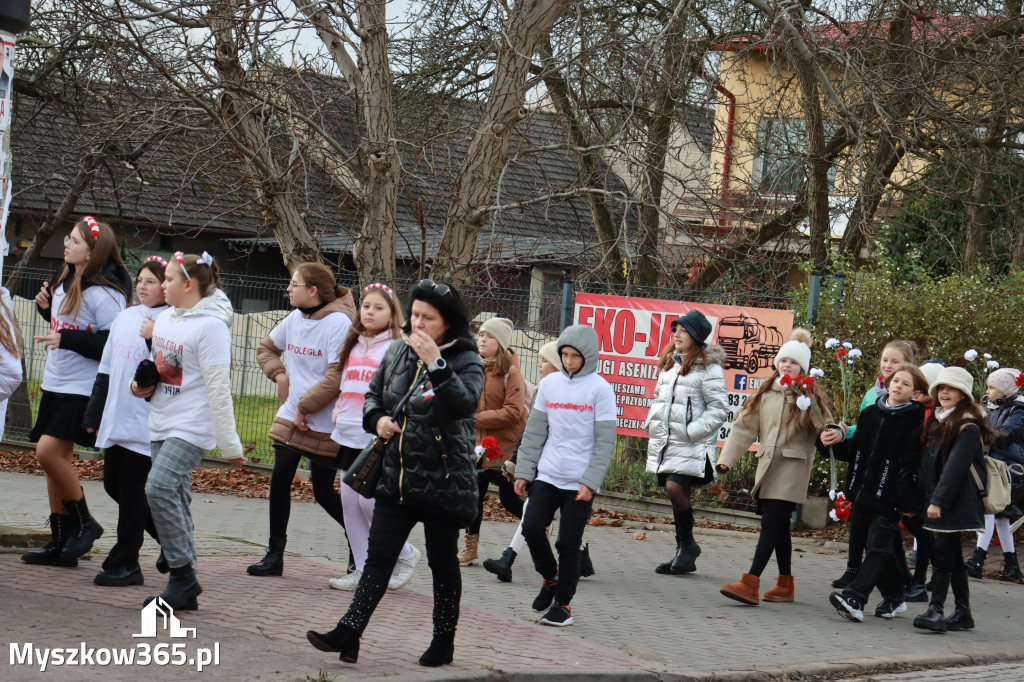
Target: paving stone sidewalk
{"points": [[630, 622]]}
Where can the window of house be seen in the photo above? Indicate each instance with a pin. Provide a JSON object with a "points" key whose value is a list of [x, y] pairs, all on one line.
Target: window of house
{"points": [[781, 155], [551, 304]]}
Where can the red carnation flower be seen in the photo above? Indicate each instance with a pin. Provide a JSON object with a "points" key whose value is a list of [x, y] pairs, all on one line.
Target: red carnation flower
{"points": [[1020, 379], [785, 380], [841, 353], [492, 450]]}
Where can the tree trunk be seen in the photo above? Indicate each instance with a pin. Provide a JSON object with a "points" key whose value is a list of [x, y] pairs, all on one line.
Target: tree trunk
{"points": [[876, 176], [978, 214], [273, 194], [529, 22], [817, 164], [659, 131], [374, 250], [579, 138]]}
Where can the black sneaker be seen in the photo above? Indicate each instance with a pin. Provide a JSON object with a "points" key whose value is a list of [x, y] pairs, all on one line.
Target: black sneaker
{"points": [[558, 615], [586, 565], [889, 609], [847, 607], [546, 596]]}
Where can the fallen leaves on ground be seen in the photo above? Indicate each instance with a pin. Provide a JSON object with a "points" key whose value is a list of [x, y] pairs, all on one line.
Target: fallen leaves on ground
{"points": [[639, 536]]}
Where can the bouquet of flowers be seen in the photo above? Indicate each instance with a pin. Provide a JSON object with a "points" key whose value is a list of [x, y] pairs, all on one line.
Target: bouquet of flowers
{"points": [[980, 368], [488, 451], [846, 355], [804, 387]]}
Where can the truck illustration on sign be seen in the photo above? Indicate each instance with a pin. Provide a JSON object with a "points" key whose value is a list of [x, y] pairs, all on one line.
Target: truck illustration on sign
{"points": [[748, 344]]}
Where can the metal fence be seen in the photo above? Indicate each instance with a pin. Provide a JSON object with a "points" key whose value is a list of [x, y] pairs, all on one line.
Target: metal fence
{"points": [[537, 312]]}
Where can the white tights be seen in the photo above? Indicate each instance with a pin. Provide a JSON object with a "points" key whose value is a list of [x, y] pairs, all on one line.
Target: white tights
{"points": [[1005, 536]]}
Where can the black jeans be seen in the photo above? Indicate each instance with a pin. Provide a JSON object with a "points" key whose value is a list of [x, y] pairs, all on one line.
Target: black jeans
{"points": [[545, 499], [286, 463], [880, 567], [124, 479], [774, 537], [389, 530], [506, 493], [859, 528]]}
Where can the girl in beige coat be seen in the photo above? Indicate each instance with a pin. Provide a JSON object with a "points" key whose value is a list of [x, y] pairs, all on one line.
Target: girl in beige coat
{"points": [[787, 438]]}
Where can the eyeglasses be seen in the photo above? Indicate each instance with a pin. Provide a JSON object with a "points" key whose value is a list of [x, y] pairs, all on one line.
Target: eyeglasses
{"points": [[296, 284], [441, 289]]}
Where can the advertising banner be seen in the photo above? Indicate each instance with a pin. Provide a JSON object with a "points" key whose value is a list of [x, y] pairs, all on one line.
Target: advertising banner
{"points": [[6, 101], [633, 331]]}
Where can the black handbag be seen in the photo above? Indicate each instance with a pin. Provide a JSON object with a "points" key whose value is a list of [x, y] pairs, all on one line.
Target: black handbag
{"points": [[366, 470]]}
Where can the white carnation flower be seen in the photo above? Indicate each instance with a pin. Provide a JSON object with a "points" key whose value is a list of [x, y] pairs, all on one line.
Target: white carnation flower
{"points": [[803, 402], [987, 356], [992, 364], [816, 372], [971, 355], [847, 345], [832, 343], [849, 362], [855, 353]]}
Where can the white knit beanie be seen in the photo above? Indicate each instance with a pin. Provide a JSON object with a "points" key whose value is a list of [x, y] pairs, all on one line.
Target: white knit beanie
{"points": [[798, 349], [549, 351], [1004, 380], [501, 329]]}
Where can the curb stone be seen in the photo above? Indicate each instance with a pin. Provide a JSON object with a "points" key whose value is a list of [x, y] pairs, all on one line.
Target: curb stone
{"points": [[22, 538], [539, 675], [852, 666]]}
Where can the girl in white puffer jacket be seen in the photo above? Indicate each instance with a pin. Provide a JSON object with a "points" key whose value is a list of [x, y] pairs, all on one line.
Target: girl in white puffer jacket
{"points": [[688, 410]]}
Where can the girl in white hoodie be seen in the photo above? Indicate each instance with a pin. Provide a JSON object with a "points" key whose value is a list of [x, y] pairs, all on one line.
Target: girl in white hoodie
{"points": [[379, 323], [191, 410]]}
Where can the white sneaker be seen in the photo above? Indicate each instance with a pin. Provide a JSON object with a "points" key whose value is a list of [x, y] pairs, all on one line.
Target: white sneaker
{"points": [[403, 569], [346, 582]]}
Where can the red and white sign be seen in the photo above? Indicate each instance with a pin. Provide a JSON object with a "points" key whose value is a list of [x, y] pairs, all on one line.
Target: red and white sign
{"points": [[632, 332]]}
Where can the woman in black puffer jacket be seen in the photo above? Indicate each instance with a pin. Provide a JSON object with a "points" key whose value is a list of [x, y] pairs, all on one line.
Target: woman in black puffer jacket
{"points": [[429, 469]]}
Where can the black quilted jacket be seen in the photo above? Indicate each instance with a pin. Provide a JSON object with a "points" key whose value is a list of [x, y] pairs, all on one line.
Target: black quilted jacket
{"points": [[431, 465]]}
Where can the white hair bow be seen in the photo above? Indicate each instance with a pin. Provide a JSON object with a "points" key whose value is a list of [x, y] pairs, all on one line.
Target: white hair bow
{"points": [[206, 259]]}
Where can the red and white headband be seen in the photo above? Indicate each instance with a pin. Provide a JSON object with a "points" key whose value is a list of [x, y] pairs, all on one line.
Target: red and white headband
{"points": [[156, 259], [382, 287], [180, 257], [206, 259], [94, 227]]}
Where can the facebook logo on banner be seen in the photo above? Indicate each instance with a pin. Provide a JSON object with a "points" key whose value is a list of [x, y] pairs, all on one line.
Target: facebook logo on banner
{"points": [[740, 382]]}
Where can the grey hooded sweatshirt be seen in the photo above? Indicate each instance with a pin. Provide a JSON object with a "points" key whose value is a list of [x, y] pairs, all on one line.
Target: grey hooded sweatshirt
{"points": [[570, 435]]}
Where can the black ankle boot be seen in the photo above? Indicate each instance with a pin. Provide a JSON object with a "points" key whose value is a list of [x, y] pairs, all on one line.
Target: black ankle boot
{"points": [[1011, 569], [50, 554], [343, 639], [273, 562], [666, 568], [976, 562], [441, 650], [83, 530], [843, 581], [961, 618], [502, 567], [933, 619], [586, 565], [120, 576], [161, 563], [182, 590]]}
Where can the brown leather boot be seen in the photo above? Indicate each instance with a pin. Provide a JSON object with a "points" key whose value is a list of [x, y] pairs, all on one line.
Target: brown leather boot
{"points": [[469, 554], [783, 590], [745, 590]]}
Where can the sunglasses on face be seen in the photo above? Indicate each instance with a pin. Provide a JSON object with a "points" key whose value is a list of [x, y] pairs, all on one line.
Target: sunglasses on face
{"points": [[441, 289]]}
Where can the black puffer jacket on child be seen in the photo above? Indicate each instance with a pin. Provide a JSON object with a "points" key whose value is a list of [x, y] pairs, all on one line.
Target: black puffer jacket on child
{"points": [[431, 465]]}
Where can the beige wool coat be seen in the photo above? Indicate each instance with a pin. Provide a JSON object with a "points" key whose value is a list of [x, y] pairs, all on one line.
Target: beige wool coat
{"points": [[786, 455]]}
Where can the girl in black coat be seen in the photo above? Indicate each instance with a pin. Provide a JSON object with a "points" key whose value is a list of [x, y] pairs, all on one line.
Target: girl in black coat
{"points": [[429, 466], [954, 440], [884, 454]]}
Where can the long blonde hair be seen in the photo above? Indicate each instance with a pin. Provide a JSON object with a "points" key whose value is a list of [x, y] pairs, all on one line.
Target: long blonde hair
{"points": [[357, 329]]}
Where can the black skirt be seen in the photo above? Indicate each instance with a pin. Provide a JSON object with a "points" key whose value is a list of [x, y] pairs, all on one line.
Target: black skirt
{"points": [[60, 416]]}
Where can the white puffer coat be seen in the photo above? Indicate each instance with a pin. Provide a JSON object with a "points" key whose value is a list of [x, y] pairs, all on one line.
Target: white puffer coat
{"points": [[684, 420]]}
